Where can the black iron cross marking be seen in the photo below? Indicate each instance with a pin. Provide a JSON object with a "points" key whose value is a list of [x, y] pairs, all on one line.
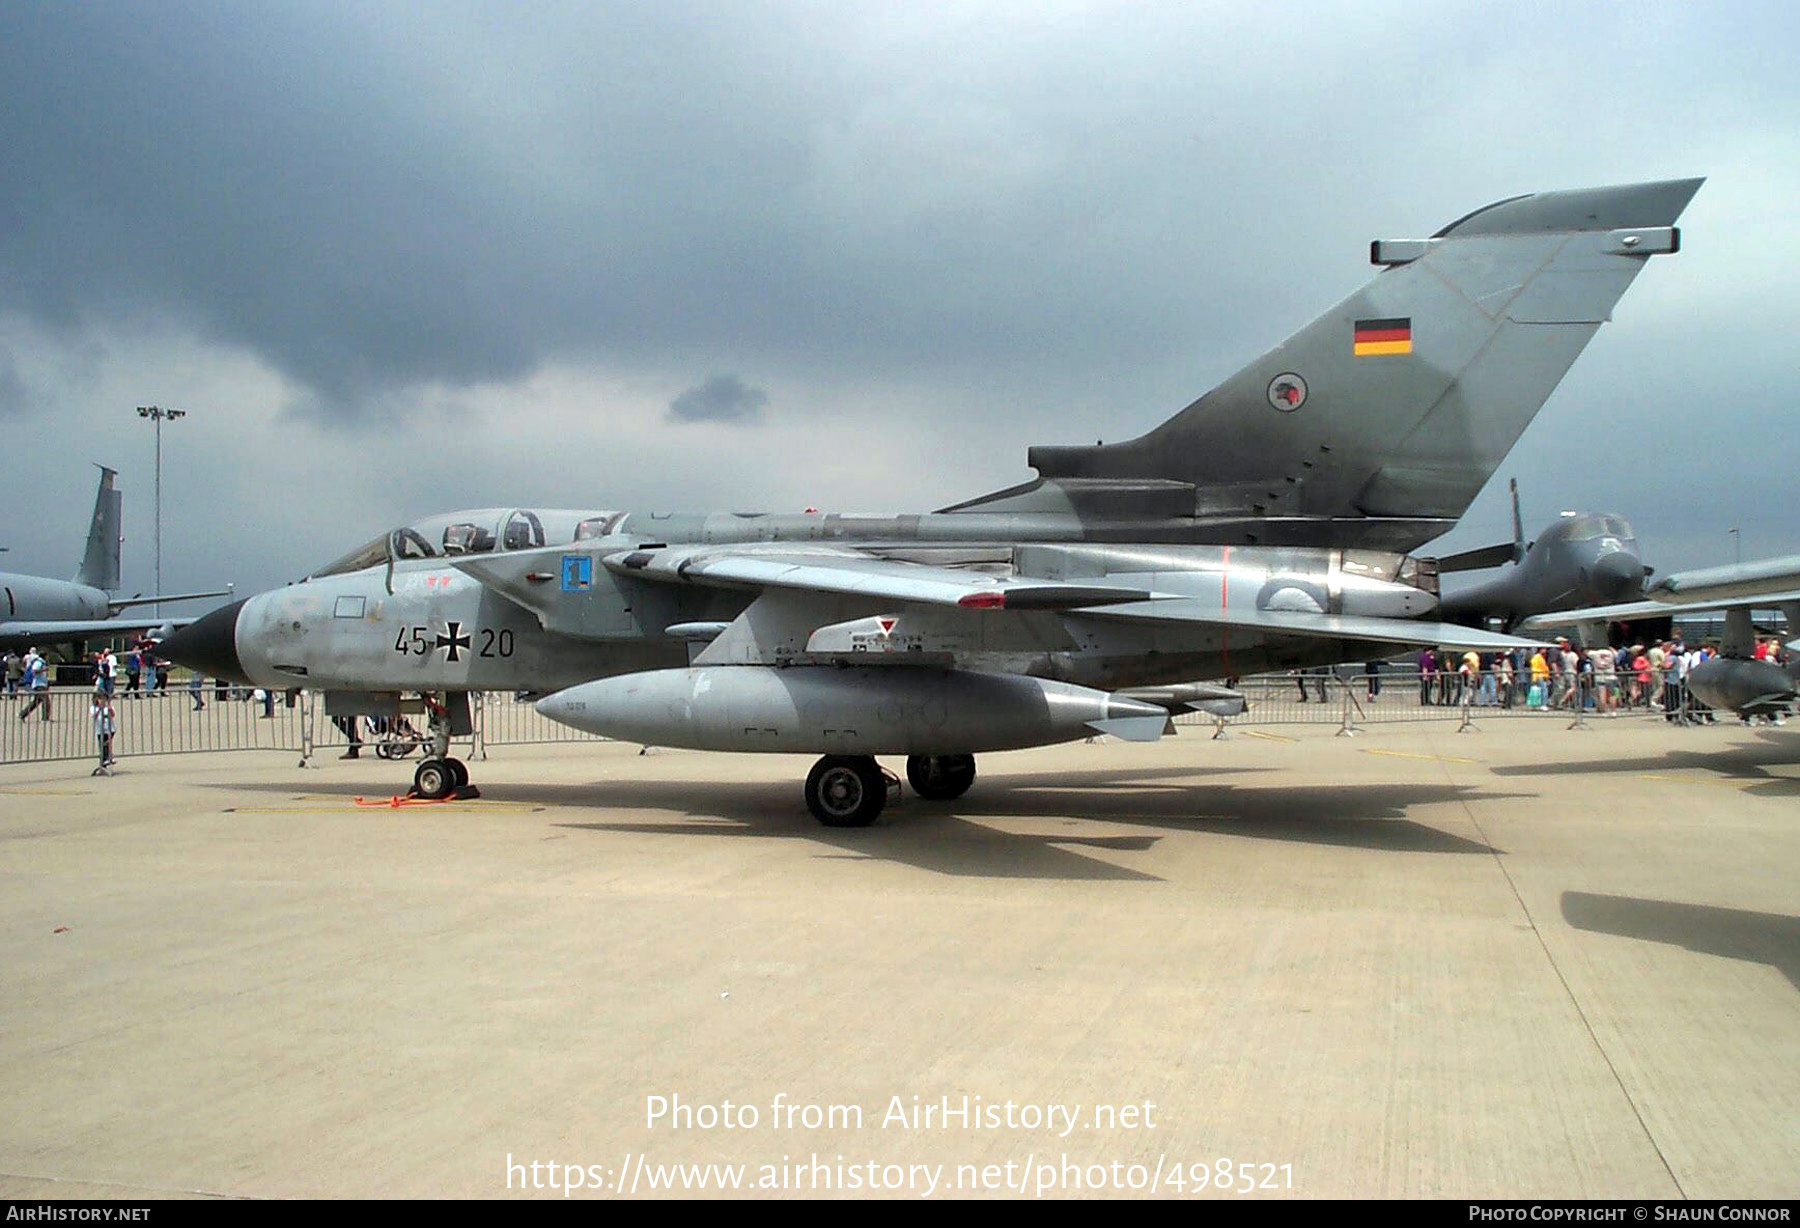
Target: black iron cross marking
{"points": [[455, 640]]}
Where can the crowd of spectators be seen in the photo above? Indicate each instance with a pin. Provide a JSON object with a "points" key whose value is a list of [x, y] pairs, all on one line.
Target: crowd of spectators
{"points": [[1603, 680]]}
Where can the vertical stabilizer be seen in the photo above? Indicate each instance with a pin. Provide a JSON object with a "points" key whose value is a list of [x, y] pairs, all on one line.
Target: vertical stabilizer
{"points": [[1402, 400], [100, 565]]}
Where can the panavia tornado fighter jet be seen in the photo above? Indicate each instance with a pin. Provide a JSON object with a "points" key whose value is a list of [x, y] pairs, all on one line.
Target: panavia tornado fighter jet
{"points": [[1264, 526]]}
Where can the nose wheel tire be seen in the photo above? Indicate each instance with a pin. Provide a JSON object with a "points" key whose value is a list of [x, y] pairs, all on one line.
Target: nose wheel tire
{"points": [[940, 778], [846, 790], [436, 778]]}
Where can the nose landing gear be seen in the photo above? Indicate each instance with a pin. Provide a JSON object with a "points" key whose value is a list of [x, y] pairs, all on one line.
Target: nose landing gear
{"points": [[440, 777], [437, 779]]}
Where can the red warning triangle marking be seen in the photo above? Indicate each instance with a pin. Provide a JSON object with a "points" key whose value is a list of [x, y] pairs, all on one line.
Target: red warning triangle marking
{"points": [[887, 624]]}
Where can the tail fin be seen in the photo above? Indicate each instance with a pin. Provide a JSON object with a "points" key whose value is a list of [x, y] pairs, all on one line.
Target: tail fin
{"points": [[100, 565], [1402, 400], [1512, 484], [1490, 556]]}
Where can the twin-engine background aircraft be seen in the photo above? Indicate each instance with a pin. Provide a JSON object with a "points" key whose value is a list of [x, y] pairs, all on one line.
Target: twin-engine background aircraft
{"points": [[39, 610], [1264, 526]]}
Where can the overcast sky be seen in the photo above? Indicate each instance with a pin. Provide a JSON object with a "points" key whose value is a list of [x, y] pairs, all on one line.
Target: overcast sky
{"points": [[398, 259]]}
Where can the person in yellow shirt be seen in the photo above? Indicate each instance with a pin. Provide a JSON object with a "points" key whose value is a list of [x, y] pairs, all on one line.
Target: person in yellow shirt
{"points": [[1540, 675]]}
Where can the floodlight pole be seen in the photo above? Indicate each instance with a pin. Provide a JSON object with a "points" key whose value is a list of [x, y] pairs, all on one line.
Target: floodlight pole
{"points": [[157, 415]]}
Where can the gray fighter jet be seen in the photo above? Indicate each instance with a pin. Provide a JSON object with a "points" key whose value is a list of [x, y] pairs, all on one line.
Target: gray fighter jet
{"points": [[1262, 527], [39, 610], [1581, 559]]}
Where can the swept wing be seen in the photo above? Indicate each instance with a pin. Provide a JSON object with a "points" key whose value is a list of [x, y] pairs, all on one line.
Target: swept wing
{"points": [[799, 575]]}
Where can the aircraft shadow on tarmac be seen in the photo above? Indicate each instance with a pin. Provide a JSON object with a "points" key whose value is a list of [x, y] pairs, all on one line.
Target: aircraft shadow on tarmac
{"points": [[1749, 762], [954, 847], [1735, 933], [949, 838]]}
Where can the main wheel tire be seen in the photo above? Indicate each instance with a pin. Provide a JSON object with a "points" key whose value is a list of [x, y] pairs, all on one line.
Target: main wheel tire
{"points": [[846, 790], [459, 770], [940, 778], [434, 779]]}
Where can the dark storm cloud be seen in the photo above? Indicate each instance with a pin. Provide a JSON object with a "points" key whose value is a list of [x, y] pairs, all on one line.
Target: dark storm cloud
{"points": [[227, 169], [722, 398], [374, 202], [370, 206]]}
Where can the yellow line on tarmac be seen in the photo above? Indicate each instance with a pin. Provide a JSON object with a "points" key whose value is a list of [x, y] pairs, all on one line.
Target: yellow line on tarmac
{"points": [[1739, 785], [1410, 754], [464, 807], [47, 792], [285, 809], [1269, 737]]}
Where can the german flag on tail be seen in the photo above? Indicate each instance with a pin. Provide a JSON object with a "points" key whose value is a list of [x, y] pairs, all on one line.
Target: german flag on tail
{"points": [[1383, 337]]}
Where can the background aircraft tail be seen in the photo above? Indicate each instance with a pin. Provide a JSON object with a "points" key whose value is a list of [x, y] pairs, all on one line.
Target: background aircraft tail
{"points": [[100, 565], [1402, 400], [1491, 556]]}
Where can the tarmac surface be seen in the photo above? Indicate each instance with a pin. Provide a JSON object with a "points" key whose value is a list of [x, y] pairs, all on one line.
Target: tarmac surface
{"points": [[1519, 962]]}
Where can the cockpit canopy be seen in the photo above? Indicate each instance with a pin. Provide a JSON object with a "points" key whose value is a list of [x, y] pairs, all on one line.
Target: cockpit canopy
{"points": [[1590, 526], [476, 532]]}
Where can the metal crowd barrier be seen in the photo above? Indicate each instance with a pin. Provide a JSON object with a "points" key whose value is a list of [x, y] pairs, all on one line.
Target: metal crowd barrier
{"points": [[506, 719], [233, 718], [167, 722], [148, 723], [1351, 699]]}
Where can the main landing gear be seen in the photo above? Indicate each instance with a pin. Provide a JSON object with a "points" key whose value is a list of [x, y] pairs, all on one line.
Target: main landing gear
{"points": [[440, 776], [850, 790], [940, 778]]}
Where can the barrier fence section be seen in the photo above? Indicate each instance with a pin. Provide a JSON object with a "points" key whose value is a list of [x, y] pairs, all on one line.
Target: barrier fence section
{"points": [[149, 723], [177, 721], [1352, 698], [507, 719], [499, 718]]}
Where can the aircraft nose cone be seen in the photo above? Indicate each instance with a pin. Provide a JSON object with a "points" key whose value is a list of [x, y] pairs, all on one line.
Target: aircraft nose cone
{"points": [[209, 645], [1618, 576]]}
